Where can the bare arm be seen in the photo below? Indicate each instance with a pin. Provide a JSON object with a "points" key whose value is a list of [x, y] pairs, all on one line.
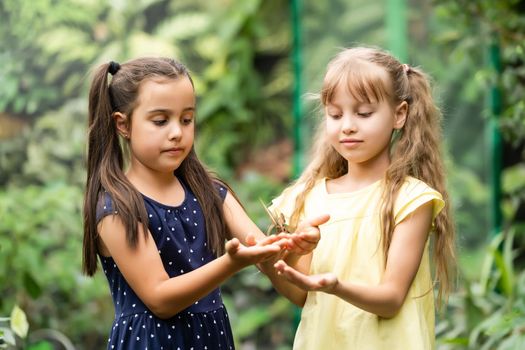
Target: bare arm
{"points": [[241, 226], [143, 269], [404, 258]]}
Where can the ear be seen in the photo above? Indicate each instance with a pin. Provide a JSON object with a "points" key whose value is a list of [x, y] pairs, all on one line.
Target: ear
{"points": [[122, 124], [400, 115]]}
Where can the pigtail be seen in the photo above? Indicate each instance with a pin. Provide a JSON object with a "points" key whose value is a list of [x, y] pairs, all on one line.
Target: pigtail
{"points": [[201, 183], [411, 156], [105, 164]]}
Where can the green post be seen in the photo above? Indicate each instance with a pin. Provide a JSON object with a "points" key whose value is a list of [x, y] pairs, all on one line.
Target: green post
{"points": [[297, 87], [495, 139], [396, 28]]}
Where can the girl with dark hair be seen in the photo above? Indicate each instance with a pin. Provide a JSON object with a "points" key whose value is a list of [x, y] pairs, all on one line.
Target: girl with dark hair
{"points": [[157, 219]]}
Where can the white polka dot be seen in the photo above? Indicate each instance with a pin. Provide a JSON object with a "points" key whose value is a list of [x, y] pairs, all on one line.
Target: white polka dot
{"points": [[138, 338], [168, 239], [179, 251], [150, 215], [195, 212], [170, 263]]}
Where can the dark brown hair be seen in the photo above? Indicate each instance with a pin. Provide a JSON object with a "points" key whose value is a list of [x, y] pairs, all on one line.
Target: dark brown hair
{"points": [[106, 158], [415, 151]]}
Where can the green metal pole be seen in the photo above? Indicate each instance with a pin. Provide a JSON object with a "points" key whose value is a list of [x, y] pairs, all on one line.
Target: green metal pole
{"points": [[495, 139], [396, 28], [297, 87], [295, 6]]}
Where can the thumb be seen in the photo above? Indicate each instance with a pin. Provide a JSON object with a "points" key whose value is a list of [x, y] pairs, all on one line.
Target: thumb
{"points": [[232, 246], [319, 220], [250, 239]]}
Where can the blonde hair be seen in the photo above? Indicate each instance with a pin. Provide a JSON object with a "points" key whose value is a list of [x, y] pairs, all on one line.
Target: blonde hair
{"points": [[410, 155]]}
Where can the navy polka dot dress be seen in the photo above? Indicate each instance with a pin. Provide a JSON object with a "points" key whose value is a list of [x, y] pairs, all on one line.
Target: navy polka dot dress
{"points": [[179, 233]]}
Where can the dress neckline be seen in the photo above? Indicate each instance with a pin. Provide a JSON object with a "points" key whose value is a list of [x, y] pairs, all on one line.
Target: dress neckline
{"points": [[362, 190], [167, 206]]}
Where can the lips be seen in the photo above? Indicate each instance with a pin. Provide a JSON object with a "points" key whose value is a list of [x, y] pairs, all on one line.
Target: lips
{"points": [[173, 150], [350, 142]]}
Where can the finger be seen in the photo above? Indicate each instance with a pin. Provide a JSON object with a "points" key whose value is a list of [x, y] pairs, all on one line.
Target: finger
{"points": [[232, 246], [250, 239], [319, 220], [312, 235], [299, 249], [292, 275]]}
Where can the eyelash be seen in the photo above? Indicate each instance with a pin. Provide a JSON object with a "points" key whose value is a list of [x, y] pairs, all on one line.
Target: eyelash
{"points": [[159, 122], [185, 121]]}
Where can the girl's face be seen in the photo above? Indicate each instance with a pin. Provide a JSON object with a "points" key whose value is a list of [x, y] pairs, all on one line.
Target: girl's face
{"points": [[162, 127], [361, 131]]}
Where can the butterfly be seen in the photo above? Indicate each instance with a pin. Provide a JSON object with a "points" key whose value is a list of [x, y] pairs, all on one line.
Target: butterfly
{"points": [[278, 221]]}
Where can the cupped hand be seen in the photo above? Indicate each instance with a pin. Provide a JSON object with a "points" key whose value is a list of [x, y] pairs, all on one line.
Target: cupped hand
{"points": [[307, 235], [326, 282], [247, 255]]}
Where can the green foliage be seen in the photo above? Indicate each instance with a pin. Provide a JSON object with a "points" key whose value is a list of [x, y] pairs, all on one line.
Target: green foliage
{"points": [[489, 312]]}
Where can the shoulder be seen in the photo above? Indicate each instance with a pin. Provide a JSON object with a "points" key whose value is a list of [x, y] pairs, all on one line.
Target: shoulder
{"points": [[285, 202], [105, 206], [413, 194]]}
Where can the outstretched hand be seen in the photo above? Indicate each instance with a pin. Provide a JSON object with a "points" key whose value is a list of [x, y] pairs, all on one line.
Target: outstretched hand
{"points": [[326, 282], [306, 236], [252, 254]]}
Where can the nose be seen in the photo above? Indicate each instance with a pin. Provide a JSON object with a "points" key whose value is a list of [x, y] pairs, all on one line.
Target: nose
{"points": [[349, 125], [175, 131]]}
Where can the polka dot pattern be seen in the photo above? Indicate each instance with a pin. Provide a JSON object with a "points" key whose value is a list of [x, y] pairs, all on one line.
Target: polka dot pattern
{"points": [[179, 233]]}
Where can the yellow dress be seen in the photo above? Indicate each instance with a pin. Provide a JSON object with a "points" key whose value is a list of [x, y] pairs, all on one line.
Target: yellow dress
{"points": [[350, 248]]}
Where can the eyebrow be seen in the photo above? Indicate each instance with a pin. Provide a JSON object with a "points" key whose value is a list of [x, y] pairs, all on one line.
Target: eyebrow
{"points": [[168, 111]]}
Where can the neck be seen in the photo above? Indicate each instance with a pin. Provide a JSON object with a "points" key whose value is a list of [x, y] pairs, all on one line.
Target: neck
{"points": [[154, 184], [370, 171]]}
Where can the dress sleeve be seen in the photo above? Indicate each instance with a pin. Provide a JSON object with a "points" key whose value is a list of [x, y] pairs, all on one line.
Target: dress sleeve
{"points": [[412, 195], [285, 203], [221, 189], [104, 206]]}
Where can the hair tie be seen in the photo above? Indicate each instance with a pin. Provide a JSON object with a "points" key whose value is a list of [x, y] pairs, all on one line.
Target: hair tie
{"points": [[406, 68], [113, 67]]}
